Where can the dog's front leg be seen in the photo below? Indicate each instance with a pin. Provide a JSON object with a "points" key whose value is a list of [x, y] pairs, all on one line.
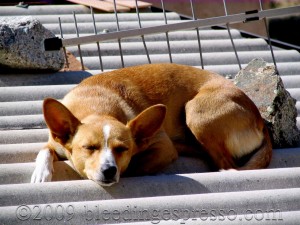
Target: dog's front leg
{"points": [[44, 166]]}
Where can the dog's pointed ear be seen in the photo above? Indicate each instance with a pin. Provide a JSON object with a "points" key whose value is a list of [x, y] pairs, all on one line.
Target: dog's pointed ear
{"points": [[147, 123], [61, 122]]}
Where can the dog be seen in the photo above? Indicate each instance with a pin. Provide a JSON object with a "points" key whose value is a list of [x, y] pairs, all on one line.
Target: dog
{"points": [[137, 120]]}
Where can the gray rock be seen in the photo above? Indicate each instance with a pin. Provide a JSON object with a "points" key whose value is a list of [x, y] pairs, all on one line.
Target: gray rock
{"points": [[262, 84], [22, 45]]}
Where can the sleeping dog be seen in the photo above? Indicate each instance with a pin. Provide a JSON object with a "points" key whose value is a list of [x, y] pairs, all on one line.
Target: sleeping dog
{"points": [[137, 120]]}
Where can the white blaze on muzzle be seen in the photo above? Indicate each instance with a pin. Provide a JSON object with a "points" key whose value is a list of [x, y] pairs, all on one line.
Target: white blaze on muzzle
{"points": [[108, 166]]}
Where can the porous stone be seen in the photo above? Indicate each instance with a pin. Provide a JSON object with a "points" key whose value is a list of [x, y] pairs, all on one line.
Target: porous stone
{"points": [[22, 45], [262, 84]]}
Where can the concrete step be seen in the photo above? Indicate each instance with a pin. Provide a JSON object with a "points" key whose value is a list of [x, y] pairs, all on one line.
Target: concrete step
{"points": [[217, 218], [284, 68], [192, 59], [205, 34], [35, 107], [149, 186], [70, 77], [23, 136], [20, 108], [12, 143], [161, 47], [38, 93], [69, 28], [295, 93], [14, 171], [33, 10], [243, 197], [298, 107], [290, 69], [21, 122], [112, 211], [10, 153], [17, 173], [291, 81], [107, 17], [30, 93]]}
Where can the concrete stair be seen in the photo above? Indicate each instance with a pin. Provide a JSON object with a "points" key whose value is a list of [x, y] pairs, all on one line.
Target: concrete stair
{"points": [[186, 192]]}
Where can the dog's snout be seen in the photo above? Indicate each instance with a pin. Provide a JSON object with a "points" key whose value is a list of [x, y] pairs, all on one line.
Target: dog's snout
{"points": [[109, 171]]}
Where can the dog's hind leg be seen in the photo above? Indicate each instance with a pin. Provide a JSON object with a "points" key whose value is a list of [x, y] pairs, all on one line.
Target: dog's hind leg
{"points": [[206, 122], [229, 126]]}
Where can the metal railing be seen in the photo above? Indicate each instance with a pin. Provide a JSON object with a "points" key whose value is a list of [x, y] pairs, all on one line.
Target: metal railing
{"points": [[194, 24]]}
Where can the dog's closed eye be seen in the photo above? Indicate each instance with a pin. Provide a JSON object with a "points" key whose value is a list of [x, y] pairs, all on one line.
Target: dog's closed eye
{"points": [[120, 149], [90, 147]]}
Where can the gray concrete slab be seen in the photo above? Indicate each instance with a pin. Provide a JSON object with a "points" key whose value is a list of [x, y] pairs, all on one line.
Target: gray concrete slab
{"points": [[69, 28], [295, 92], [75, 77], [206, 34], [30, 93], [19, 153], [133, 48], [23, 136], [154, 208], [69, 77], [284, 68], [20, 108], [192, 59], [291, 81], [148, 186], [14, 173], [40, 10], [235, 192], [105, 17], [21, 122], [254, 218]]}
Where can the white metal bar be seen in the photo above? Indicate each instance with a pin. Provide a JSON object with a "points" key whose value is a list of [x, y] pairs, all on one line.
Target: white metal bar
{"points": [[269, 39], [98, 45], [198, 35], [185, 25], [77, 33], [62, 36], [142, 36], [230, 36], [118, 29], [167, 35]]}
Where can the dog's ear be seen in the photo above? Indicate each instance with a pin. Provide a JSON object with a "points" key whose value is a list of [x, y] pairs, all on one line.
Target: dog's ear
{"points": [[61, 122], [147, 123]]}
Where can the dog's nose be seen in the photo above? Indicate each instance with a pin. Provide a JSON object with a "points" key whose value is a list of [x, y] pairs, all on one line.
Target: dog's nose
{"points": [[109, 171]]}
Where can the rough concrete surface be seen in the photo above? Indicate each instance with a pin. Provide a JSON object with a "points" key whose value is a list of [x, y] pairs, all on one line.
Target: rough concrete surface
{"points": [[22, 45], [262, 84]]}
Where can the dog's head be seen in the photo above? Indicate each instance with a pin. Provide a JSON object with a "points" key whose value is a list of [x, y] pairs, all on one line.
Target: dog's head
{"points": [[101, 147]]}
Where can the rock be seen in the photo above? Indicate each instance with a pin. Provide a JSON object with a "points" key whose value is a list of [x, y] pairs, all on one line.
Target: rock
{"points": [[262, 84], [22, 45]]}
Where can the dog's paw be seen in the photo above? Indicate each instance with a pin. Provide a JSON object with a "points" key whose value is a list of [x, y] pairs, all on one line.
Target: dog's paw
{"points": [[44, 167], [41, 174]]}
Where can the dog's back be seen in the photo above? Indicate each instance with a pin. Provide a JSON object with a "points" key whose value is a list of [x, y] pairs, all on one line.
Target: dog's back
{"points": [[125, 93]]}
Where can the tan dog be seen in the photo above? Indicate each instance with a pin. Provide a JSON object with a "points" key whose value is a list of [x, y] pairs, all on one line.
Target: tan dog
{"points": [[138, 119]]}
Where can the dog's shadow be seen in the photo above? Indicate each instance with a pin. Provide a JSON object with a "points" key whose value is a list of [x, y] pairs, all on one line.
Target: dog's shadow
{"points": [[152, 186], [177, 179]]}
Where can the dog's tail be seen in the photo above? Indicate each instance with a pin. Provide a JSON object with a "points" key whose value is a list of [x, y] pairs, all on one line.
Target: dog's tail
{"points": [[262, 155]]}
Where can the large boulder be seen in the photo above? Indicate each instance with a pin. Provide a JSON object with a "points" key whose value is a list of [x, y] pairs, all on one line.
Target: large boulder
{"points": [[22, 45], [262, 84]]}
